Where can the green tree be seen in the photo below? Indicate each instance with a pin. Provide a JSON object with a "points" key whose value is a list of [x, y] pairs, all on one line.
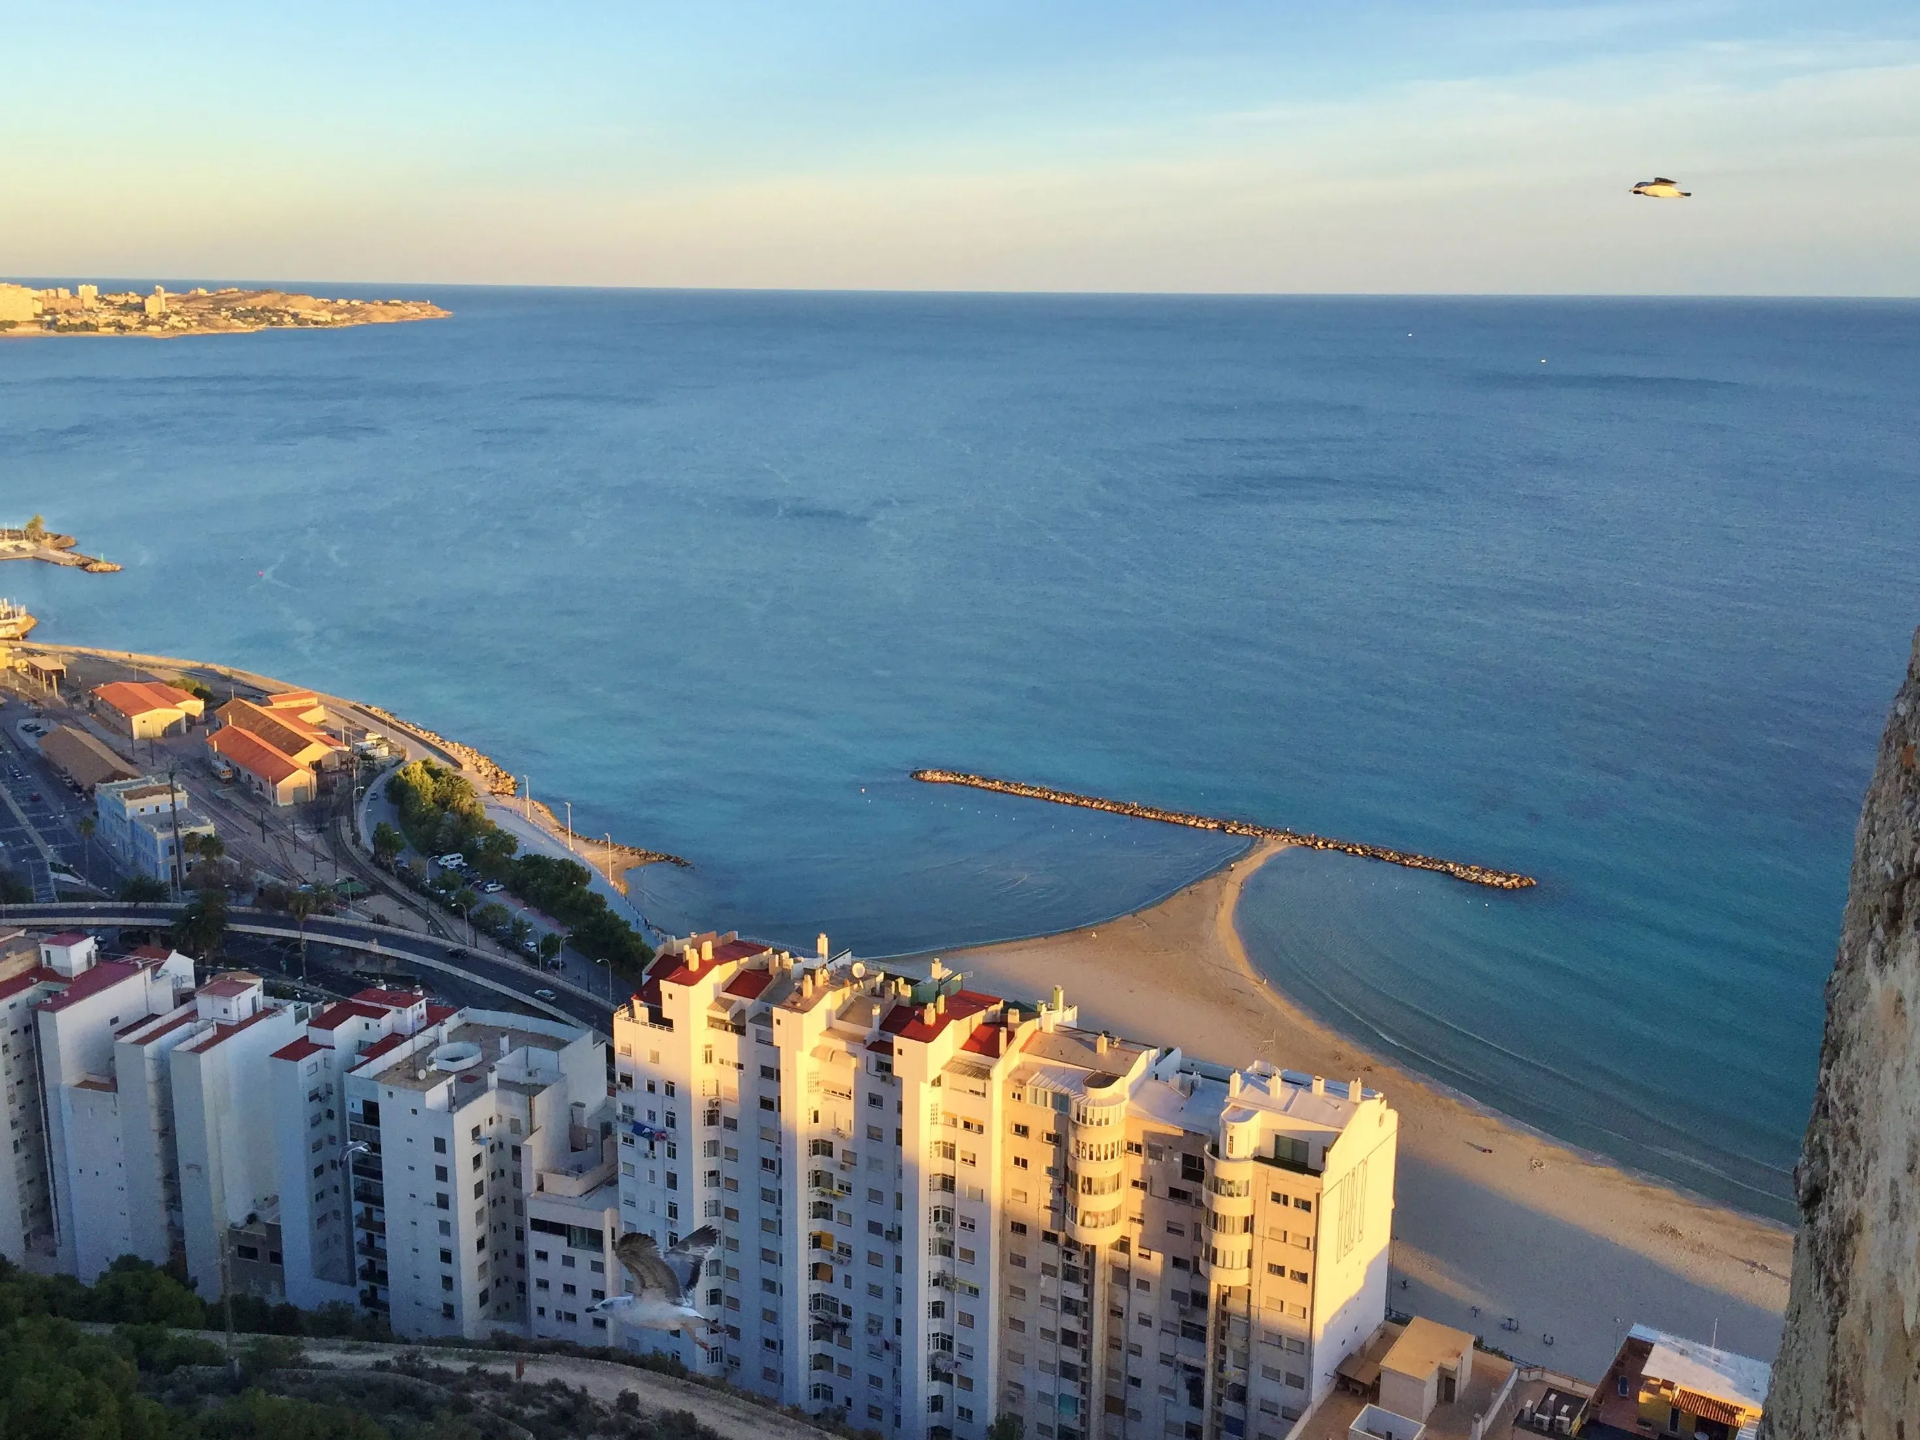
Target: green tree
{"points": [[387, 843], [133, 1292], [301, 904], [202, 924], [520, 931], [492, 917], [14, 890], [550, 944], [144, 890], [1006, 1427], [86, 827], [37, 528], [57, 1383]]}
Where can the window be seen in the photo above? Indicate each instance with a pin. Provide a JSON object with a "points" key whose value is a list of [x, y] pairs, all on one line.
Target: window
{"points": [[1022, 1131], [440, 1173], [439, 1144], [476, 1161], [1019, 1227]]}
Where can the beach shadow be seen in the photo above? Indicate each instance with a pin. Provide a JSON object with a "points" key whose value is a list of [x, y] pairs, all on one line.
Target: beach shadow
{"points": [[1554, 1277]]}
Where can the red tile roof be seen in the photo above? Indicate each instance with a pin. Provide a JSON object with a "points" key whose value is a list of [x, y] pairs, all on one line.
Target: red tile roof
{"points": [[253, 754], [340, 1012], [65, 937], [437, 1013], [186, 1017], [227, 986], [748, 984], [149, 952], [300, 1049], [227, 1032], [104, 976], [26, 980], [141, 697], [380, 1047], [906, 1022], [386, 999]]}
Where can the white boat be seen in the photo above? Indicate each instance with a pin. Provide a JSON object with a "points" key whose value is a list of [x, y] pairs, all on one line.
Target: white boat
{"points": [[15, 622]]}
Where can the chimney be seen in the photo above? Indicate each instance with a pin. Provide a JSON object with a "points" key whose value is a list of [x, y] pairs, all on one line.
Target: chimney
{"points": [[940, 1002], [1319, 1085], [706, 950], [926, 1015], [1013, 1016], [820, 945], [937, 971], [503, 1047], [1059, 998], [1100, 1043], [693, 960], [1356, 1091], [1233, 1083]]}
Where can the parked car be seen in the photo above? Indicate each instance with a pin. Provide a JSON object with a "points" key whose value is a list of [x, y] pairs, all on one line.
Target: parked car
{"points": [[492, 887], [451, 861]]}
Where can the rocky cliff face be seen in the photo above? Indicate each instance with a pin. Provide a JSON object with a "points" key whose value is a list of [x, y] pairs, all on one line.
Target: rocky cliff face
{"points": [[1849, 1366]]}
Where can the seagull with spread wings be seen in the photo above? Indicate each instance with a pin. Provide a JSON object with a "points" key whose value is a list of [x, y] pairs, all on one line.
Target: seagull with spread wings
{"points": [[664, 1285], [1661, 188]]}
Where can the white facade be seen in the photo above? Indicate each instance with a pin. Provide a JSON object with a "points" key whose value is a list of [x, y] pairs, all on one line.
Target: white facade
{"points": [[76, 1035], [936, 1209], [225, 1121], [454, 1116]]}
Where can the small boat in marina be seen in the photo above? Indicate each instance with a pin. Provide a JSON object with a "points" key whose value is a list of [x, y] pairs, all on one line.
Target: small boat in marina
{"points": [[15, 622]]}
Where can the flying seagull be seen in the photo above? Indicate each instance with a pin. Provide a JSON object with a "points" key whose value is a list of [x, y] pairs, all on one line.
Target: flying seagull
{"points": [[663, 1285], [1661, 188]]}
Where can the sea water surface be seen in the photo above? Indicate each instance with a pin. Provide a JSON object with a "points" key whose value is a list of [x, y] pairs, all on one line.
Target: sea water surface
{"points": [[1611, 592]]}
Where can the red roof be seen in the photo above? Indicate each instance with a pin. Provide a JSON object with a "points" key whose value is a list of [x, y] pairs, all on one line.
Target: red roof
{"points": [[379, 1048], [26, 980], [340, 1012], [65, 937], [387, 999], [437, 1013], [141, 697], [186, 1017], [981, 1042], [253, 754], [748, 984], [227, 987], [104, 976], [149, 952], [227, 1032], [905, 1021], [300, 1049]]}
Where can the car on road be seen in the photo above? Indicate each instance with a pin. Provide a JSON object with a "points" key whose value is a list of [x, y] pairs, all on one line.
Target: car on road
{"points": [[545, 995], [492, 887], [456, 953]]}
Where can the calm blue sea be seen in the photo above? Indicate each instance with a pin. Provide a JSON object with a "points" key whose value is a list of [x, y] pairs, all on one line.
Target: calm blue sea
{"points": [[1611, 592]]}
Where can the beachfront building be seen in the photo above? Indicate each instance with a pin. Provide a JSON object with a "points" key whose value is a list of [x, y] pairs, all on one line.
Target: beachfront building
{"points": [[146, 709], [937, 1206], [1666, 1385], [462, 1120], [276, 746]]}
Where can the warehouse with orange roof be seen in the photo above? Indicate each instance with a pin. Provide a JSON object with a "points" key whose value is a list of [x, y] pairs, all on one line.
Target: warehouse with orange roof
{"points": [[146, 709]]}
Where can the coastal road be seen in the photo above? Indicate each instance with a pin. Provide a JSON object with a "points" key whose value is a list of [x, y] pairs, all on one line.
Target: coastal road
{"points": [[426, 954]]}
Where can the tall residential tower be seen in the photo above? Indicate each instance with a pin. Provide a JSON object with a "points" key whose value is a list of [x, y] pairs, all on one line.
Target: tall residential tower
{"points": [[939, 1206]]}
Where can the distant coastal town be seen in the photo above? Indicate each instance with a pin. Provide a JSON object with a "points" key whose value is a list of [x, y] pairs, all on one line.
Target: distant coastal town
{"points": [[86, 310]]}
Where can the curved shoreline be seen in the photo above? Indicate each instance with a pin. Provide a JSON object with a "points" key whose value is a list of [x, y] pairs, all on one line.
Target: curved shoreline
{"points": [[1489, 1212]]}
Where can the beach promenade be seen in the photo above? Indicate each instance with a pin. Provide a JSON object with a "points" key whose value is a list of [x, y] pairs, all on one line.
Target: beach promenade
{"points": [[1492, 1220]]}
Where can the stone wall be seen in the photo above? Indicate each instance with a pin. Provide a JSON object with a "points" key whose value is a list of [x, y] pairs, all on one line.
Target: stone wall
{"points": [[1849, 1366]]}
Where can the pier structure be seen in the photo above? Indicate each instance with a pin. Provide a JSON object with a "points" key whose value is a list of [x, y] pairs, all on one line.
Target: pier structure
{"points": [[1472, 874]]}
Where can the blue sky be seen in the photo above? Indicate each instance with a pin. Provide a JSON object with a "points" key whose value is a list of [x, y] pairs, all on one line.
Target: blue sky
{"points": [[1370, 146]]}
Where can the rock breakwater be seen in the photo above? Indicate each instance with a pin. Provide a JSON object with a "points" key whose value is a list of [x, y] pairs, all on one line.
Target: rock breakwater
{"points": [[1472, 874]]}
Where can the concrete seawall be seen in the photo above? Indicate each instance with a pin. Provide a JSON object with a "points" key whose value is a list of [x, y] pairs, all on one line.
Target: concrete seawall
{"points": [[1472, 874]]}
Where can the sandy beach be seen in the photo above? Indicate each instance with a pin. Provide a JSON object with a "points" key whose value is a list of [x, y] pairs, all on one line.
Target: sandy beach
{"points": [[1492, 1219]]}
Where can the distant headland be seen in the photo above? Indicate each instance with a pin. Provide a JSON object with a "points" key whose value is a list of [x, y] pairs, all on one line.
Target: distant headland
{"points": [[84, 310]]}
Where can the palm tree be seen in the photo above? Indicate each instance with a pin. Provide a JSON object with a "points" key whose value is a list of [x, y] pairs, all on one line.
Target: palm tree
{"points": [[300, 905], [86, 828], [202, 924]]}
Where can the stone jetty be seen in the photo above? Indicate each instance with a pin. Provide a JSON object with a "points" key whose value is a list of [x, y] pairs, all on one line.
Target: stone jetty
{"points": [[1472, 874], [17, 544]]}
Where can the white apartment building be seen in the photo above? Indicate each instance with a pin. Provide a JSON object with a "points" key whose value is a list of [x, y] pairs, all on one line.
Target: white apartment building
{"points": [[463, 1121], [938, 1206]]}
